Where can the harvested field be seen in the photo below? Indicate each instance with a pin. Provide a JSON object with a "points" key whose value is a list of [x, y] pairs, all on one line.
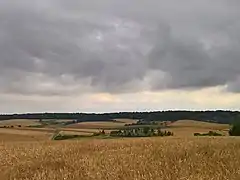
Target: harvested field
{"points": [[199, 124], [22, 122], [189, 127], [10, 135], [76, 133], [83, 130]]}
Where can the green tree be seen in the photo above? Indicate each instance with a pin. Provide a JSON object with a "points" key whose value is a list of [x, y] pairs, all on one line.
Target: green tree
{"points": [[152, 132], [235, 129], [146, 130]]}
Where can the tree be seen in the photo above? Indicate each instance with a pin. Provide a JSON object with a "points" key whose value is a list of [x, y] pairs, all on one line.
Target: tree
{"points": [[152, 132], [235, 129], [146, 130]]}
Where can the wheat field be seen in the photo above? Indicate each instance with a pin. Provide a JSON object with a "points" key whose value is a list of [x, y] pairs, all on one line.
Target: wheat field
{"points": [[162, 158]]}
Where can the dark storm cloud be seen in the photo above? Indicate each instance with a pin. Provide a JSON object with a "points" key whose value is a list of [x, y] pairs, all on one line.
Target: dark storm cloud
{"points": [[63, 47]]}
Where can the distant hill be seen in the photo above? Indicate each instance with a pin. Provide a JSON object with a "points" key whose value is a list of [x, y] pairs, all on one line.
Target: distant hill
{"points": [[223, 117]]}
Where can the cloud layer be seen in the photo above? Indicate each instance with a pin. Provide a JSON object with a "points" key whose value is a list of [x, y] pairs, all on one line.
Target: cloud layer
{"points": [[62, 47]]}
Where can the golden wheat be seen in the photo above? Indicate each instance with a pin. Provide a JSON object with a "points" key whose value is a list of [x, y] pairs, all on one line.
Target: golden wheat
{"points": [[167, 158]]}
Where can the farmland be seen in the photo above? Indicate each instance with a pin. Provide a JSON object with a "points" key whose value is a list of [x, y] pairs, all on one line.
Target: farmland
{"points": [[189, 127], [30, 153], [35, 130], [142, 159], [22, 122]]}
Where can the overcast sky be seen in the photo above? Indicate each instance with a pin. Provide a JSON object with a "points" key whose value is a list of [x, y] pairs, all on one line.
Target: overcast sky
{"points": [[119, 55]]}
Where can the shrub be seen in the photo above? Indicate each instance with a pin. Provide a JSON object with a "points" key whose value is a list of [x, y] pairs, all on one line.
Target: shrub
{"points": [[197, 134], [210, 133], [235, 130], [146, 130], [65, 136], [96, 134]]}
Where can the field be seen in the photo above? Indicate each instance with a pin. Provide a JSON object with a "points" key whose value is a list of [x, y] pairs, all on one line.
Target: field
{"points": [[32, 130], [182, 128], [189, 127], [102, 125], [28, 153], [10, 135], [169, 158], [22, 122]]}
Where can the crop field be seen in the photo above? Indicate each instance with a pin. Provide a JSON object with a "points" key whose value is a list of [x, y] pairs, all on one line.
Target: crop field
{"points": [[22, 122], [10, 135], [181, 128], [189, 127], [199, 124], [97, 125], [76, 133], [31, 154], [83, 130], [168, 158]]}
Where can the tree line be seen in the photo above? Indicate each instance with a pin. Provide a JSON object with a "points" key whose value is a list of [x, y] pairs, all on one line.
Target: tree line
{"points": [[209, 116], [140, 132]]}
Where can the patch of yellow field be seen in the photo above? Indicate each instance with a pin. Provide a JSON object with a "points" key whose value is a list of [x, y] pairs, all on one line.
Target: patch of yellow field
{"points": [[76, 133], [189, 127], [83, 130], [45, 129], [9, 135], [22, 122], [199, 124], [189, 131], [162, 158]]}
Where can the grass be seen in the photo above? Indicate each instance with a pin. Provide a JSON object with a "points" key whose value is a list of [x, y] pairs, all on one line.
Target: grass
{"points": [[168, 158]]}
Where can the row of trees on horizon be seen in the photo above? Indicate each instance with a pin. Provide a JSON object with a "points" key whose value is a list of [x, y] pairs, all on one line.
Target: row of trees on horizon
{"points": [[209, 116]]}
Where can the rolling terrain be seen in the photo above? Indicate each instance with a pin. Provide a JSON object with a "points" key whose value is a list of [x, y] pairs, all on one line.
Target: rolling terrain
{"points": [[189, 127], [29, 153], [32, 129]]}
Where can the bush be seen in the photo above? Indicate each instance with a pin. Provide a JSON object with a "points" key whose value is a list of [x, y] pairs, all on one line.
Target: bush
{"points": [[197, 134], [96, 134], [65, 136], [235, 130], [146, 130], [210, 133]]}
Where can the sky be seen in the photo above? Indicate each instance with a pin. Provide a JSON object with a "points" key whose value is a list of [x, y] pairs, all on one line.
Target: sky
{"points": [[119, 55]]}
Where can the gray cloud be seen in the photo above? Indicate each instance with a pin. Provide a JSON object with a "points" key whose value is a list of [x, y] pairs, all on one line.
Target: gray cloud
{"points": [[62, 47]]}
